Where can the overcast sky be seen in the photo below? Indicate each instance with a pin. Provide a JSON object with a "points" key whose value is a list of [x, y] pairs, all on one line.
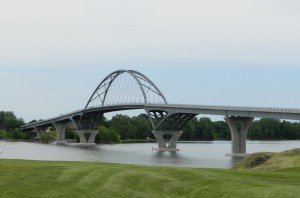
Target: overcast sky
{"points": [[53, 53]]}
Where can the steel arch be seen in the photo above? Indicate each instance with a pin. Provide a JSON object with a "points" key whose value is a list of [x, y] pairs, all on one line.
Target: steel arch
{"points": [[175, 122], [140, 79]]}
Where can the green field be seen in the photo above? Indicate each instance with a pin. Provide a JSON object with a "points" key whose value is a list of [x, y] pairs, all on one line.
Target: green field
{"points": [[20, 178]]}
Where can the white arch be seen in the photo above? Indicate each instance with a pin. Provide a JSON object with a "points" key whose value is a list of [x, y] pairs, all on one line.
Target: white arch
{"points": [[139, 78]]}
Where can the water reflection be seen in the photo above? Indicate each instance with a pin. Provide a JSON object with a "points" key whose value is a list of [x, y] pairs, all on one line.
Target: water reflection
{"points": [[195, 154], [166, 158]]}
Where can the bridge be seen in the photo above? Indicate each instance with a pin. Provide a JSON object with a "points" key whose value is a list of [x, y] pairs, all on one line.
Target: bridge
{"points": [[131, 90]]}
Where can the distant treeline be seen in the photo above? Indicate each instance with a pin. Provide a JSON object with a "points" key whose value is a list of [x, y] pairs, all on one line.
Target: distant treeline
{"points": [[123, 127], [139, 127], [263, 129]]}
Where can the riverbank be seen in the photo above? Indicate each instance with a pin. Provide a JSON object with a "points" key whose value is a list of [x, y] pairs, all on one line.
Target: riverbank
{"points": [[271, 160], [23, 178], [130, 141]]}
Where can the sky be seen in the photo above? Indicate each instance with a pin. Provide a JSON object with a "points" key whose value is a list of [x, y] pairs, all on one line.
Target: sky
{"points": [[54, 53]]}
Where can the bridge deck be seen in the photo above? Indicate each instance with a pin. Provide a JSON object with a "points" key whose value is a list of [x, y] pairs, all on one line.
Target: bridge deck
{"points": [[239, 111]]}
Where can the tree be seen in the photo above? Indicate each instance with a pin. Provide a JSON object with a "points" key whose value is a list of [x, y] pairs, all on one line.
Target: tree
{"points": [[142, 125], [108, 135], [124, 127], [205, 129], [32, 121], [222, 130], [104, 122], [45, 138], [265, 129], [189, 130], [9, 122], [255, 131], [71, 134], [3, 135]]}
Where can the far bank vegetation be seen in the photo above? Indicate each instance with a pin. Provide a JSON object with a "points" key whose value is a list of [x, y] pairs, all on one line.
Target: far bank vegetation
{"points": [[123, 128]]}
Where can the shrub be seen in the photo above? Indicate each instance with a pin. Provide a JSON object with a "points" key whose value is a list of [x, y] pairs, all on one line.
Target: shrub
{"points": [[44, 138], [52, 134], [3, 134], [15, 134]]}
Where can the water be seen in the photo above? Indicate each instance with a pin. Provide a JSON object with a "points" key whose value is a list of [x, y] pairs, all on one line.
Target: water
{"points": [[209, 154]]}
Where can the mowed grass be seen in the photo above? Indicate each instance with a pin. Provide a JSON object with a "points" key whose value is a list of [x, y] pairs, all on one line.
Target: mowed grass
{"points": [[19, 178]]}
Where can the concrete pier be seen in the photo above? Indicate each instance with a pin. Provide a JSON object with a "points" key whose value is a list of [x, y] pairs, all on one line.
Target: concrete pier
{"points": [[39, 132], [162, 146], [61, 133], [238, 127], [91, 139]]}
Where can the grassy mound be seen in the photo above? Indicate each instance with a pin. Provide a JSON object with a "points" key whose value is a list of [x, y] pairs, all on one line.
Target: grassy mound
{"points": [[20, 178], [271, 161]]}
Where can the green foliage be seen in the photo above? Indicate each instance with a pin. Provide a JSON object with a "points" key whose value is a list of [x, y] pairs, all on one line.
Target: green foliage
{"points": [[108, 135], [70, 134], [104, 122], [139, 127], [202, 129], [272, 129], [124, 126], [143, 126], [222, 131], [189, 130], [9, 122], [264, 129], [52, 133], [206, 129], [20, 135], [15, 135], [45, 138], [3, 134]]}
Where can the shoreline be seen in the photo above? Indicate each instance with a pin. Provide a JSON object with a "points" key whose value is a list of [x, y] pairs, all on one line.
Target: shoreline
{"points": [[132, 141]]}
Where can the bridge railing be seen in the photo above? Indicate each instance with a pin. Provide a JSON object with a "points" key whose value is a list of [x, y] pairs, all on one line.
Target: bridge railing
{"points": [[236, 108]]}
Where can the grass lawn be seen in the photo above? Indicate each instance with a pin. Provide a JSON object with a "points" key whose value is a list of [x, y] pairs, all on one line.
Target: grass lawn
{"points": [[19, 178]]}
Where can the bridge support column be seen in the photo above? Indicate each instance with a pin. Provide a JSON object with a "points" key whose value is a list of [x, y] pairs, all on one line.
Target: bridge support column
{"points": [[61, 133], [91, 139], [238, 127], [38, 133], [162, 146]]}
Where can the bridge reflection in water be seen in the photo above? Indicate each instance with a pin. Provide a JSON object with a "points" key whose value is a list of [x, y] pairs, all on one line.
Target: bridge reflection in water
{"points": [[128, 90]]}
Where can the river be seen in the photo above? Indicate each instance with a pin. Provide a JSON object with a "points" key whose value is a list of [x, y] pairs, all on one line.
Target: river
{"points": [[210, 154]]}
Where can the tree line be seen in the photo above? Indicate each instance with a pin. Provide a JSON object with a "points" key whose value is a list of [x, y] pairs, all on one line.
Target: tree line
{"points": [[9, 127], [123, 127]]}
